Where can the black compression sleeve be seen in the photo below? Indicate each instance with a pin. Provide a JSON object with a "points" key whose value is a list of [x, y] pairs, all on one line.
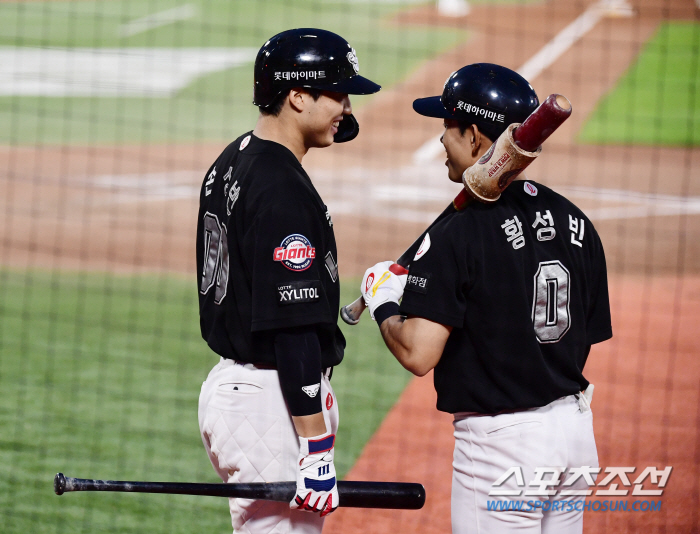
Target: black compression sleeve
{"points": [[298, 354]]}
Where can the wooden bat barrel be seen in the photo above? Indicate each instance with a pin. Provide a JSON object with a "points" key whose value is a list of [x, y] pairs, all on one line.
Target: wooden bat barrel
{"points": [[542, 122]]}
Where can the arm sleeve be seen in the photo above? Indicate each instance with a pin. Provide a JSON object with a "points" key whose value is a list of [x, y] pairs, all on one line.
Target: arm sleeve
{"points": [[298, 354], [285, 247]]}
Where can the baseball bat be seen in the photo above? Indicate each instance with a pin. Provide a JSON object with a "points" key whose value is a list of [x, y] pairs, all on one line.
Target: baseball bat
{"points": [[352, 494], [518, 145]]}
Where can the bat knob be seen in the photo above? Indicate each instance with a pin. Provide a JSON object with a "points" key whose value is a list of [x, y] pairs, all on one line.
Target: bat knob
{"points": [[59, 484], [345, 315]]}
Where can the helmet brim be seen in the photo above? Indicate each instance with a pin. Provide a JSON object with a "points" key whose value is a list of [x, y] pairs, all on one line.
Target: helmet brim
{"points": [[432, 107], [355, 85]]}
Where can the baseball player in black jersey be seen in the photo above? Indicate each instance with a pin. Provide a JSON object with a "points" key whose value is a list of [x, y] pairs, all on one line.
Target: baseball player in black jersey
{"points": [[268, 286], [503, 301]]}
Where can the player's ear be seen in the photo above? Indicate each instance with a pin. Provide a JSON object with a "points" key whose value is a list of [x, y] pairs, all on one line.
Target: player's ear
{"points": [[297, 99], [476, 138]]}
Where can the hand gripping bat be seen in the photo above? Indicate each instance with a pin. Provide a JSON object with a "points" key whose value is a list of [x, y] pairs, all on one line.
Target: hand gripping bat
{"points": [[513, 151], [353, 494]]}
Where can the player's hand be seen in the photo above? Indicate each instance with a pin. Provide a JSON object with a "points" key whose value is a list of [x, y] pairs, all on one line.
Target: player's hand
{"points": [[383, 283], [317, 489]]}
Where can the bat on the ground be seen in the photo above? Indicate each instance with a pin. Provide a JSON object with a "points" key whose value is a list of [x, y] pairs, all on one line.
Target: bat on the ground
{"points": [[352, 494], [513, 151]]}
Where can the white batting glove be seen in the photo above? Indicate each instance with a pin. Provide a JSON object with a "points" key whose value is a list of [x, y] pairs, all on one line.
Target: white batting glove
{"points": [[383, 283], [317, 489]]}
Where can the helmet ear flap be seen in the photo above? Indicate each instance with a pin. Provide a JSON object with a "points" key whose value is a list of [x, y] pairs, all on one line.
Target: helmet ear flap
{"points": [[347, 129]]}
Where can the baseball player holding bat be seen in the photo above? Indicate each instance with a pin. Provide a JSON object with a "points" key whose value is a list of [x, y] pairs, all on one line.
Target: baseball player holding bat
{"points": [[503, 299], [268, 286]]}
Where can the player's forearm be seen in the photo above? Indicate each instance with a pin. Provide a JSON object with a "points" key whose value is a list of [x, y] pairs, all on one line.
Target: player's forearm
{"points": [[416, 343], [394, 338], [308, 426]]}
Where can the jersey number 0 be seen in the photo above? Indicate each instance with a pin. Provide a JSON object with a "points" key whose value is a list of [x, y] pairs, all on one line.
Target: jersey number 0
{"points": [[550, 306], [215, 258]]}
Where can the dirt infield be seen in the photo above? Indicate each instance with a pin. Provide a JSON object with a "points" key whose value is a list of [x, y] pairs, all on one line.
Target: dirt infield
{"points": [[133, 209]]}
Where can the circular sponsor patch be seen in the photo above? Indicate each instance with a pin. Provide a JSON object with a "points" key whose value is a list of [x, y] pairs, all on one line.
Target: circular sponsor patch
{"points": [[295, 252], [530, 189], [245, 142], [329, 401], [424, 246], [370, 281]]}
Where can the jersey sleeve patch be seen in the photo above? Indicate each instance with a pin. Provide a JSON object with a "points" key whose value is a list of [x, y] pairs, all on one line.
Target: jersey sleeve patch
{"points": [[530, 189], [424, 246], [244, 143], [295, 252], [418, 282], [332, 266], [298, 292]]}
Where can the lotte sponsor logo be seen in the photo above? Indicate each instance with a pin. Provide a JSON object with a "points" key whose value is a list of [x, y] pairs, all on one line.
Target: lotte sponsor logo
{"points": [[370, 281], [530, 189], [295, 252]]}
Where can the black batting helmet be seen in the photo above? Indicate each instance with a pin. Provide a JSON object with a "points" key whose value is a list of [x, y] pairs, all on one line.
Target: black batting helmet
{"points": [[313, 58], [488, 95]]}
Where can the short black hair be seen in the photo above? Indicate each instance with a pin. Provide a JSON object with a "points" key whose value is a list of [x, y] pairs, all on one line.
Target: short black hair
{"points": [[492, 135], [275, 107]]}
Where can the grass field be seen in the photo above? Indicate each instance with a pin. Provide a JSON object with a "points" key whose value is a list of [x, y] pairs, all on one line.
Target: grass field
{"points": [[212, 107], [657, 102], [100, 377]]}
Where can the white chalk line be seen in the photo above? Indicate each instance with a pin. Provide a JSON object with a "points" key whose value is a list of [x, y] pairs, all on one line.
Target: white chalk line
{"points": [[420, 197], [110, 72], [156, 20]]}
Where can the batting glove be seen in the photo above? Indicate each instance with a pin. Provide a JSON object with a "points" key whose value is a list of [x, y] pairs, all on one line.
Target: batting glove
{"points": [[383, 283], [317, 489]]}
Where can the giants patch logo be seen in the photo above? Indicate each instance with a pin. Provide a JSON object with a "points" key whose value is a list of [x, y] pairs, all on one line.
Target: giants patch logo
{"points": [[295, 252]]}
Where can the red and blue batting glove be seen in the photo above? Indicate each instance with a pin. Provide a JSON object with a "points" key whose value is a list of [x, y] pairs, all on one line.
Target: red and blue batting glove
{"points": [[317, 489]]}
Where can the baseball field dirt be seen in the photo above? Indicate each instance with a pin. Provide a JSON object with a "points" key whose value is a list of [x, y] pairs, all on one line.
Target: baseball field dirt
{"points": [[72, 208]]}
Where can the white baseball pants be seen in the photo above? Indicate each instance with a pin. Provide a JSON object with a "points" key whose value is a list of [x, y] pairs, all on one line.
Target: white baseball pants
{"points": [[486, 446], [249, 436]]}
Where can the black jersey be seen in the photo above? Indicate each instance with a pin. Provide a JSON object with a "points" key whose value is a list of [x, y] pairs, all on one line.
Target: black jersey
{"points": [[523, 283], [266, 254]]}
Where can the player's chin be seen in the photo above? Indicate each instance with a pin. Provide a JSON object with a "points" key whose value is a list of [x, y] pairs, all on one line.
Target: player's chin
{"points": [[326, 139], [453, 174]]}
